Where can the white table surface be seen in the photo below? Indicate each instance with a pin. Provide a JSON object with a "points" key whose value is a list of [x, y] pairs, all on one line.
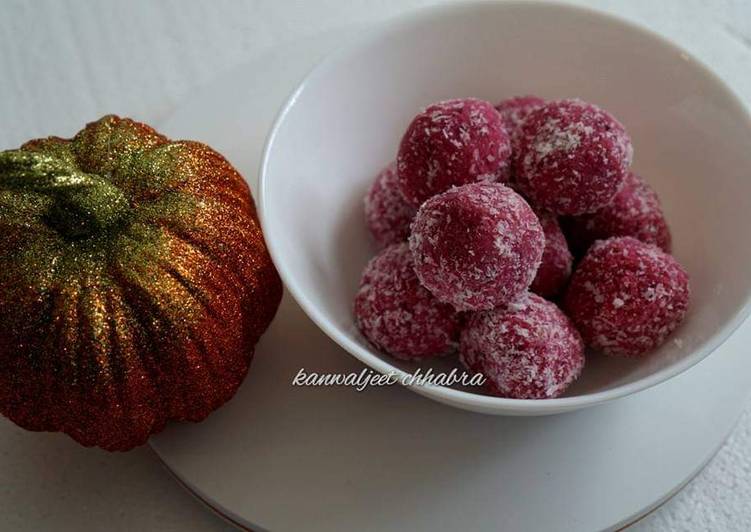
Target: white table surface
{"points": [[63, 63]]}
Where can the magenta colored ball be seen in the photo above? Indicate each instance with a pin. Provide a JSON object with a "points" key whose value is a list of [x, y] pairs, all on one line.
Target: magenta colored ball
{"points": [[555, 267], [635, 211], [477, 246], [452, 143], [515, 110], [571, 157], [626, 297], [387, 213], [397, 315], [526, 350]]}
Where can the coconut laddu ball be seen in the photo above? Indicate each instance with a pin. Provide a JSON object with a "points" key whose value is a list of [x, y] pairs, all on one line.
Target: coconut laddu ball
{"points": [[634, 211], [452, 143], [526, 350], [570, 157], [387, 214], [555, 267], [626, 297], [477, 246], [397, 314], [515, 110]]}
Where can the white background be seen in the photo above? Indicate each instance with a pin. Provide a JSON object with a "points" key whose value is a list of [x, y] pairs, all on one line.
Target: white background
{"points": [[65, 63]]}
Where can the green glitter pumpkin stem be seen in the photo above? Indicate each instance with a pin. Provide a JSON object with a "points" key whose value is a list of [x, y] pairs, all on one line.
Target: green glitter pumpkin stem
{"points": [[83, 204]]}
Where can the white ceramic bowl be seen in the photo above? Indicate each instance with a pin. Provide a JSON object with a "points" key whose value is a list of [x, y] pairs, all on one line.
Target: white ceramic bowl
{"points": [[691, 135]]}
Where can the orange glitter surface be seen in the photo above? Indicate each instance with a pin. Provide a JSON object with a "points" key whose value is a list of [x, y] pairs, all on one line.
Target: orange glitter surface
{"points": [[134, 283]]}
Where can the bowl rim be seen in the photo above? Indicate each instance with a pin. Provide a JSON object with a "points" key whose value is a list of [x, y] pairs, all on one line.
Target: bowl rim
{"points": [[454, 397]]}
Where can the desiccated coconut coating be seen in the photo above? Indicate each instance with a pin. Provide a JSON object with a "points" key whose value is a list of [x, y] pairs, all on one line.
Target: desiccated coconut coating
{"points": [[635, 211], [397, 315], [477, 246], [626, 297], [515, 110], [555, 267], [452, 143], [387, 213], [526, 350], [570, 157]]}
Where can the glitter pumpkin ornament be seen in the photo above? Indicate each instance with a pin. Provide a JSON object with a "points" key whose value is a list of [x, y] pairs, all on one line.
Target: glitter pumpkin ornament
{"points": [[134, 283]]}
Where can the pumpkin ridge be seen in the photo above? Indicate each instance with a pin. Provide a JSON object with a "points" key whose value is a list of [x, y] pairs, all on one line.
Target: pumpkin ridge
{"points": [[93, 389], [200, 352], [196, 293], [76, 336], [139, 297], [168, 270], [151, 339], [26, 393], [119, 308], [244, 241], [130, 272], [98, 369], [190, 240], [146, 416], [210, 315], [211, 347], [71, 388], [134, 342], [217, 170], [66, 321], [118, 360], [229, 199], [222, 370]]}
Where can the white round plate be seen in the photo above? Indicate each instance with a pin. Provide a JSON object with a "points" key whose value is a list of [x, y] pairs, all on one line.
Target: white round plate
{"points": [[286, 458]]}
